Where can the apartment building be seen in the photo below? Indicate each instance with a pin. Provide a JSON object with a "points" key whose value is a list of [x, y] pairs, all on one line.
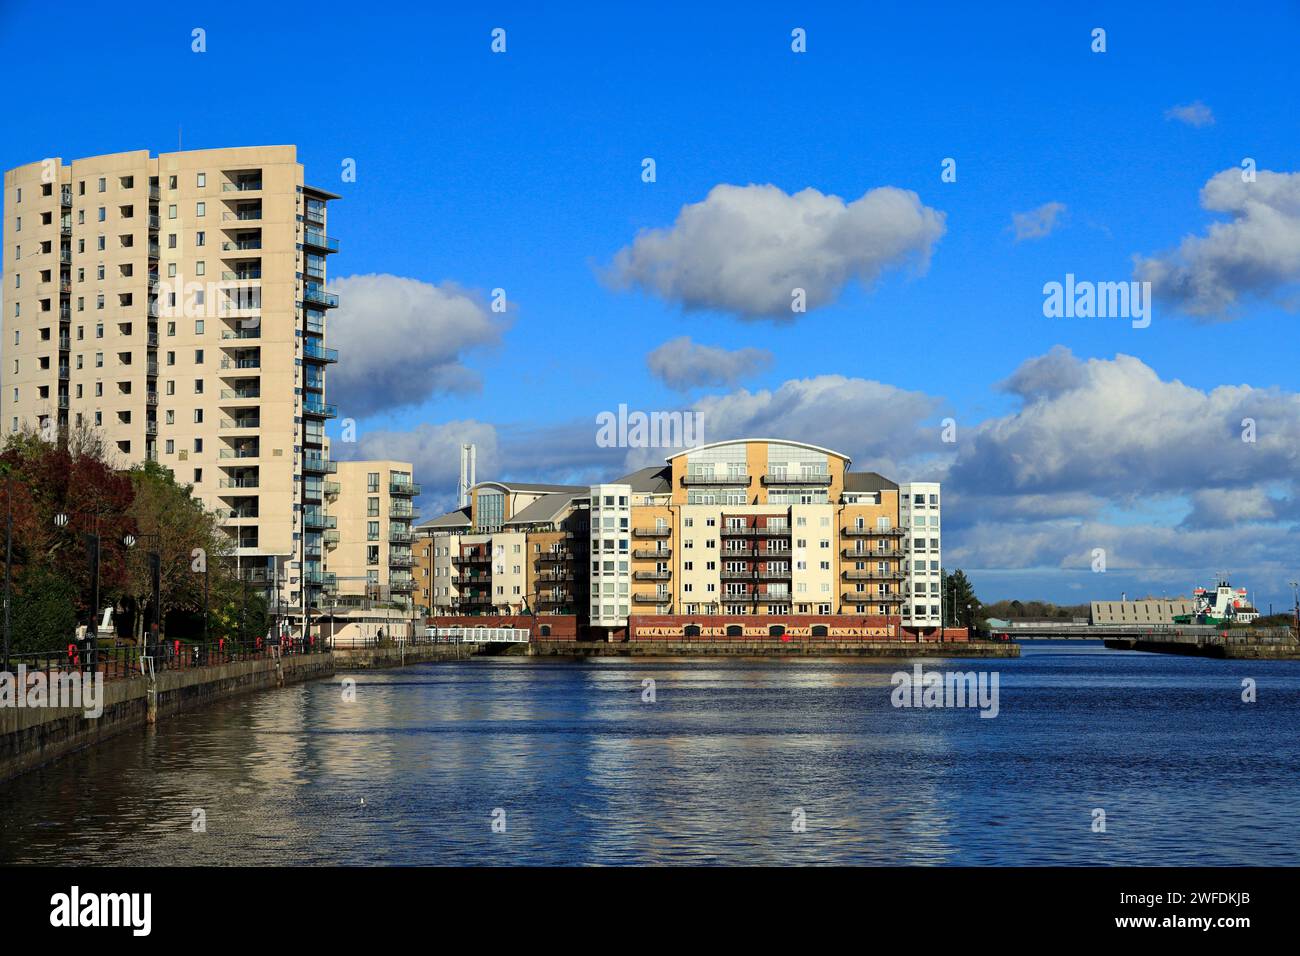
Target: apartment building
{"points": [[741, 529], [177, 303], [923, 563], [368, 553], [515, 548]]}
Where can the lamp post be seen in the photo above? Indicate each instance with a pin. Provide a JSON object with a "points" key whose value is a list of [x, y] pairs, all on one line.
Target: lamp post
{"points": [[62, 520], [9, 556], [155, 575]]}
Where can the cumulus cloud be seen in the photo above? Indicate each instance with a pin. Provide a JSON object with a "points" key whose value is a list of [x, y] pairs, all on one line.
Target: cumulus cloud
{"points": [[434, 451], [683, 365], [1113, 427], [402, 341], [743, 249], [1256, 254], [1036, 223], [1195, 114]]}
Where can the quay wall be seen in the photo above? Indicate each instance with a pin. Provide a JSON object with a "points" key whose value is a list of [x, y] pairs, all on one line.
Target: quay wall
{"points": [[892, 650], [30, 737]]}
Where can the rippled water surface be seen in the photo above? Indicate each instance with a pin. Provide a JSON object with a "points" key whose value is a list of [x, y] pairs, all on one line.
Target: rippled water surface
{"points": [[713, 771]]}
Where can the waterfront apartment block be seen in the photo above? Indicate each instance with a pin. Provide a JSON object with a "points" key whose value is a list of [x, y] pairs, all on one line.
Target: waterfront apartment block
{"points": [[177, 304], [515, 548], [747, 528], [368, 553]]}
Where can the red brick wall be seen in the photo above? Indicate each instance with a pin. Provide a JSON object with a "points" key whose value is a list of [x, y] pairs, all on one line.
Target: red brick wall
{"points": [[798, 627]]}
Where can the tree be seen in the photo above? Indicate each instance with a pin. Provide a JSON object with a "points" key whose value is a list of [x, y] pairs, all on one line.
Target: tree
{"points": [[170, 521], [958, 594]]}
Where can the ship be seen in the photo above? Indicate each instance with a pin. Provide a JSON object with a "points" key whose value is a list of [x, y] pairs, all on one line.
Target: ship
{"points": [[1222, 606]]}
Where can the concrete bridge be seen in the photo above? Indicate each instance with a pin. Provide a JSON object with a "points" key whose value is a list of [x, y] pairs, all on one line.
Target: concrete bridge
{"points": [[1072, 631]]}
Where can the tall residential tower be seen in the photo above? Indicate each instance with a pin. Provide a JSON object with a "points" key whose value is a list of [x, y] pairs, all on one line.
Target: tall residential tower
{"points": [[177, 303]]}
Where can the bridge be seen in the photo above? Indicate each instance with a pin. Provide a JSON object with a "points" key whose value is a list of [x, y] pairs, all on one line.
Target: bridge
{"points": [[1074, 631], [477, 635]]}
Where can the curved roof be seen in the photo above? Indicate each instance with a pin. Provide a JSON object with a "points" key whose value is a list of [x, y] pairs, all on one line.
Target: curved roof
{"points": [[528, 486], [747, 441]]}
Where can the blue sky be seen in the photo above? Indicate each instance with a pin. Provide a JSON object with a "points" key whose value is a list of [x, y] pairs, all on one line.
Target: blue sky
{"points": [[522, 171]]}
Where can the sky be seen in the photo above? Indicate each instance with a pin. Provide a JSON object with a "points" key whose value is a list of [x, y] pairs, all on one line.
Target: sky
{"points": [[518, 179]]}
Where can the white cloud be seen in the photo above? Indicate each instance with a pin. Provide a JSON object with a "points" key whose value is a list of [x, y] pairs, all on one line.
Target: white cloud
{"points": [[402, 341], [745, 248], [1037, 223], [1114, 428], [1256, 254], [1195, 114], [682, 364], [434, 451]]}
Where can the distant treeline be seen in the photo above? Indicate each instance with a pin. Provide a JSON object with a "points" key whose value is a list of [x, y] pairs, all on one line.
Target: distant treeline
{"points": [[1035, 610]]}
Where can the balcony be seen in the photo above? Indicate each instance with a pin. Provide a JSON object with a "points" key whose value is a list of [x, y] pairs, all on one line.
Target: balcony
{"points": [[332, 489], [242, 186], [555, 576], [327, 300], [64, 372], [238, 482], [853, 575], [804, 479], [151, 368], [469, 580], [657, 598], [244, 363], [243, 215], [331, 538], [65, 230], [249, 422], [652, 575], [652, 553], [319, 409], [326, 579], [150, 428], [872, 532], [65, 256], [65, 343], [151, 398], [400, 561], [318, 353], [65, 196], [318, 464], [245, 451], [401, 582], [154, 224], [664, 532], [154, 193], [401, 536], [401, 509], [755, 531], [715, 480], [240, 275], [238, 394], [408, 488], [555, 555], [863, 554], [241, 245], [315, 521], [316, 239]]}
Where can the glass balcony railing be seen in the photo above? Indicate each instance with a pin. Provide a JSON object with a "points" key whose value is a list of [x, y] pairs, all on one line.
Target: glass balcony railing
{"points": [[320, 297], [318, 240], [312, 350], [319, 464], [320, 409]]}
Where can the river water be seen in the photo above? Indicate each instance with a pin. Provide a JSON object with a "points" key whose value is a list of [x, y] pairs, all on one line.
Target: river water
{"points": [[734, 761]]}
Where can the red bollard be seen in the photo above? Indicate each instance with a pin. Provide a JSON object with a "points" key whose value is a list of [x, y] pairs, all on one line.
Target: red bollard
{"points": [[176, 651], [72, 655]]}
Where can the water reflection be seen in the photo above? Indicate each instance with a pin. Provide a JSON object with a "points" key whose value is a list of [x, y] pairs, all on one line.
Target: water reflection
{"points": [[713, 771]]}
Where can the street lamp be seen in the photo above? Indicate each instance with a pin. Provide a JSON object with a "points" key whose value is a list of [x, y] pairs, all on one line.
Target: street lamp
{"points": [[155, 576], [62, 520]]}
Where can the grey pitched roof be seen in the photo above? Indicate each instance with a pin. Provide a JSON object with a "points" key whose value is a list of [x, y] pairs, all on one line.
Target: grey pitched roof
{"points": [[547, 508], [867, 481], [657, 479], [452, 519]]}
